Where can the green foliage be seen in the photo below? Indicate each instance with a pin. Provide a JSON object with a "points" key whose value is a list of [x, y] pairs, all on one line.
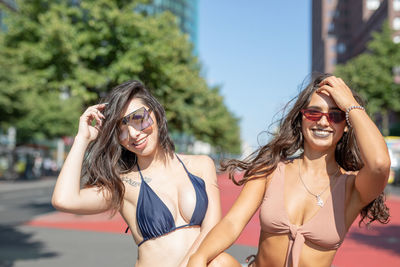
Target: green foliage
{"points": [[371, 74], [395, 129], [56, 48]]}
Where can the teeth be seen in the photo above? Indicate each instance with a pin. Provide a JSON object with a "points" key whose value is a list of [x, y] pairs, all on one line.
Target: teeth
{"points": [[321, 133], [140, 142]]}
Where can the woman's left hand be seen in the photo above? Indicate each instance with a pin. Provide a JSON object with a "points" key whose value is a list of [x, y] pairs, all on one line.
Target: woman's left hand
{"points": [[339, 91]]}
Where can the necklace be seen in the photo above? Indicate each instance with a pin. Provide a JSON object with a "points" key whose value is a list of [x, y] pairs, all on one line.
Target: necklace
{"points": [[318, 198]]}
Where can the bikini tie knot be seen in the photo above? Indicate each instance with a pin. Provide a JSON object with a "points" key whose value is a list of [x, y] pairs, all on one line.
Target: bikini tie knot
{"points": [[293, 231]]}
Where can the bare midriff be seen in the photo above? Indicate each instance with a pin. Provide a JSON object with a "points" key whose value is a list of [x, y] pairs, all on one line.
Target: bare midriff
{"points": [[273, 248], [167, 250]]}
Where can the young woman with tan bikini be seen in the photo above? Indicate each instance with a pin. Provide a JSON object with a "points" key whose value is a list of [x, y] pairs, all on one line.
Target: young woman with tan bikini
{"points": [[307, 203]]}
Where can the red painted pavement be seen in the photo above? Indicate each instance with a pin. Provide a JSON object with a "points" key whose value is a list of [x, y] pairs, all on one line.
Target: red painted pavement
{"points": [[377, 246]]}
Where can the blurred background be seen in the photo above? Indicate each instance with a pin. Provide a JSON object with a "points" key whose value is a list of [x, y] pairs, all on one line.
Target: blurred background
{"points": [[223, 70]]}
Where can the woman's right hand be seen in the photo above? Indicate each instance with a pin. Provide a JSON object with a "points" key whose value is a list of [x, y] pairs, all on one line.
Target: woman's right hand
{"points": [[86, 130]]}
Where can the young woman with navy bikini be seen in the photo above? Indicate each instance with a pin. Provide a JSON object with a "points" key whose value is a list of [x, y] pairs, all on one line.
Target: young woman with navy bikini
{"points": [[128, 165], [308, 202]]}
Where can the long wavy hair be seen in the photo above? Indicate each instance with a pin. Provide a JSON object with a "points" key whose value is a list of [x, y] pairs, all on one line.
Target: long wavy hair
{"points": [[106, 159], [288, 139]]}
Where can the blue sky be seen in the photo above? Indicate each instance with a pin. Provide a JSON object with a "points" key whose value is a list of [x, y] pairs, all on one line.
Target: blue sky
{"points": [[259, 51]]}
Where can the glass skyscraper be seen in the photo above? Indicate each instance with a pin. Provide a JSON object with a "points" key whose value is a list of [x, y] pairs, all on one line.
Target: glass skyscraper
{"points": [[186, 12], [10, 4]]}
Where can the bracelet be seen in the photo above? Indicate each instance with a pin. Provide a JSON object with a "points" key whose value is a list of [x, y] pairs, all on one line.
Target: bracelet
{"points": [[348, 111]]}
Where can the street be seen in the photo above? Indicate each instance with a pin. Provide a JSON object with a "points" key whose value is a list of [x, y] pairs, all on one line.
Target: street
{"points": [[71, 240], [22, 245], [24, 201], [33, 234]]}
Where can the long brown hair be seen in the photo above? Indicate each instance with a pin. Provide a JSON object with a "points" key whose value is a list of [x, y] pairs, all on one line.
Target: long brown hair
{"points": [[288, 139], [106, 159]]}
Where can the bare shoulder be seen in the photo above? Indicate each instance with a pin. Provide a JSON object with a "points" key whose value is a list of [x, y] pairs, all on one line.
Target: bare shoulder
{"points": [[200, 165], [196, 161], [290, 163]]}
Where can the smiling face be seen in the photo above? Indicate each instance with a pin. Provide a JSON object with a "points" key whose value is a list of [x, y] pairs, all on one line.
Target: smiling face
{"points": [[143, 141], [322, 135]]}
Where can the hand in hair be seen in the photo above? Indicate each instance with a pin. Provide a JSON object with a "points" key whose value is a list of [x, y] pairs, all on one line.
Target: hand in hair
{"points": [[339, 91], [86, 130]]}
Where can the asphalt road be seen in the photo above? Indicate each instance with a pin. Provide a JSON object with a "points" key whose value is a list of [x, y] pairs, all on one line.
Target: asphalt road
{"points": [[23, 245], [20, 205]]}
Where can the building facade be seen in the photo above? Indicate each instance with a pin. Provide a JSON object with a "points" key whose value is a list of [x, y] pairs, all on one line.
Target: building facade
{"points": [[342, 28], [5, 4], [186, 12]]}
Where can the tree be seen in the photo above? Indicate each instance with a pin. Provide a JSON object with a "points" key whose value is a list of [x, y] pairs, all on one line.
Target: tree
{"points": [[371, 74], [58, 56]]}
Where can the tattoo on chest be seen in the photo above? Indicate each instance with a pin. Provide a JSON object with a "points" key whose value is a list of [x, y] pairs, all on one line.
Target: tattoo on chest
{"points": [[136, 183]]}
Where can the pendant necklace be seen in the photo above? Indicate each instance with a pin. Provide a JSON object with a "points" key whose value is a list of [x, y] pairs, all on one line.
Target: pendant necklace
{"points": [[318, 198]]}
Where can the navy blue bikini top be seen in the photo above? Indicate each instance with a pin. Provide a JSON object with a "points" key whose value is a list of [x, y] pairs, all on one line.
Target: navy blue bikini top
{"points": [[153, 216]]}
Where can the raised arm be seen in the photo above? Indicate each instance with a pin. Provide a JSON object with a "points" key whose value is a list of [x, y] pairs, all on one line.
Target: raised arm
{"points": [[225, 233], [67, 195], [372, 178]]}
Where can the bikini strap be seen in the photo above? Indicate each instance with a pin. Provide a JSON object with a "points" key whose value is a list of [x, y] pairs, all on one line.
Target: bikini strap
{"points": [[141, 176], [182, 163]]}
